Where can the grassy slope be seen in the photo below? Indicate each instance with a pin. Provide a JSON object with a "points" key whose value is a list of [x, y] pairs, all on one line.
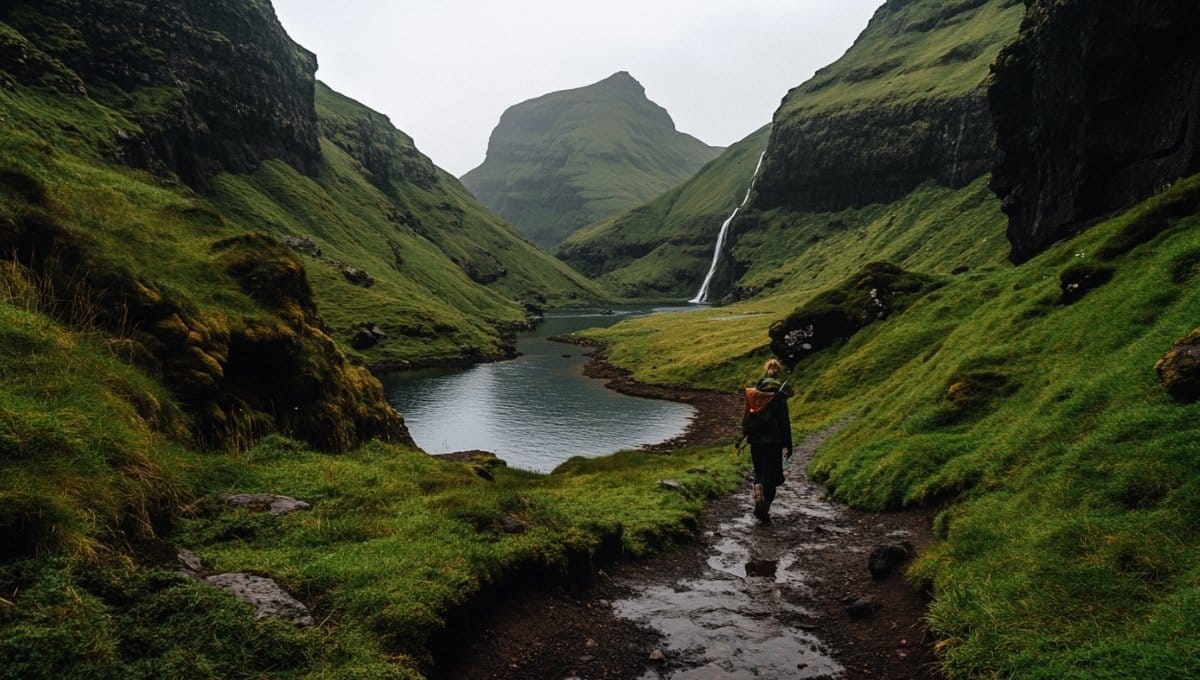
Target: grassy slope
{"points": [[931, 49], [428, 305], [571, 158], [1069, 548], [664, 247]]}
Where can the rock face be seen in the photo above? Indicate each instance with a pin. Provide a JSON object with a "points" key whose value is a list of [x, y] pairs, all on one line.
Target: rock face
{"points": [[216, 86], [887, 116], [567, 159], [879, 154], [1096, 106]]}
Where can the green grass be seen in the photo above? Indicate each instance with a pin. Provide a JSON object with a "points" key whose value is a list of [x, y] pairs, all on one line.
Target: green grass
{"points": [[1066, 471], [395, 541], [912, 51]]}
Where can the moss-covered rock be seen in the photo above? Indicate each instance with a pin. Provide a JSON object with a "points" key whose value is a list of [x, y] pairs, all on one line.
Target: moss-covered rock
{"points": [[1179, 369], [1079, 279], [876, 292]]}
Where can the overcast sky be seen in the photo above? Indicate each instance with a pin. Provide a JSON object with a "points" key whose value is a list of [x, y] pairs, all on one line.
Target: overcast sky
{"points": [[444, 70]]}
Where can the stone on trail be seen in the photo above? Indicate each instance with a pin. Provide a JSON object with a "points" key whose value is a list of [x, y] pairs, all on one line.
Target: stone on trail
{"points": [[657, 656], [265, 595], [265, 502], [884, 559], [862, 607]]}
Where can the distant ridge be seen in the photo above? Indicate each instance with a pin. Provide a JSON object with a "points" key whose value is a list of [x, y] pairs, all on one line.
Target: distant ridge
{"points": [[570, 158]]}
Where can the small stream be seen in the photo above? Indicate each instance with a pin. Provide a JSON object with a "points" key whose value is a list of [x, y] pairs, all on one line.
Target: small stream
{"points": [[537, 410]]}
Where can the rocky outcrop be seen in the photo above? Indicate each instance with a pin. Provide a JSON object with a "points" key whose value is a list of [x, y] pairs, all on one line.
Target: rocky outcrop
{"points": [[1179, 369], [875, 154], [873, 294], [1096, 107], [239, 378], [905, 105], [215, 86]]}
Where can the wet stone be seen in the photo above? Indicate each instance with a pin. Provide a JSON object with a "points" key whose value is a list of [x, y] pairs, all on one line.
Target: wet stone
{"points": [[191, 561], [862, 607], [265, 502], [884, 559], [265, 595], [762, 568]]}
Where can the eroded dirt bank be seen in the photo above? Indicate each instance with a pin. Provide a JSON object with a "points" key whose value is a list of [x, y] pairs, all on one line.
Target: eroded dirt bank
{"points": [[743, 601]]}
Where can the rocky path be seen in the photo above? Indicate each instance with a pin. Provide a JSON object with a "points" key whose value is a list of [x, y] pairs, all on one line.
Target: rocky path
{"points": [[744, 601]]}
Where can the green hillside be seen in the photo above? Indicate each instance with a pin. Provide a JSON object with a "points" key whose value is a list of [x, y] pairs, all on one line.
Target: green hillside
{"points": [[571, 158], [663, 249], [451, 280]]}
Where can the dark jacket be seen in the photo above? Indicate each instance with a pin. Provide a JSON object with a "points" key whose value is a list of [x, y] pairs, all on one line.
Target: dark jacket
{"points": [[773, 425]]}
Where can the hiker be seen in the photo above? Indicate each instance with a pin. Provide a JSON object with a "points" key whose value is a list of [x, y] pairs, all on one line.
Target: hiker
{"points": [[768, 428]]}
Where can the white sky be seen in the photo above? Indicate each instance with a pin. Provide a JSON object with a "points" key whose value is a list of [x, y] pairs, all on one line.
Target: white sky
{"points": [[444, 70]]}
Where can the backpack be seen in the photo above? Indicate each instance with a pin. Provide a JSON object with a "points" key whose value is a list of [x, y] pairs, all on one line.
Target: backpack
{"points": [[757, 417]]}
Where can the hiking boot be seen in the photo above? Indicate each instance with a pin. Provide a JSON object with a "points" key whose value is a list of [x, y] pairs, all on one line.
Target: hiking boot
{"points": [[761, 513]]}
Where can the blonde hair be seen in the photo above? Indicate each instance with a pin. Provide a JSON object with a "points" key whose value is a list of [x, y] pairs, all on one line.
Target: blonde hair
{"points": [[772, 368]]}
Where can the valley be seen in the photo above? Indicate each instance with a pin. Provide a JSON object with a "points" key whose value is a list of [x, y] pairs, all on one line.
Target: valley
{"points": [[972, 241]]}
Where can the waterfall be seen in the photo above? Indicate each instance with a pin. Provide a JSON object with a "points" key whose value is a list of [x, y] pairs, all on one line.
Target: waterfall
{"points": [[702, 295], [962, 129]]}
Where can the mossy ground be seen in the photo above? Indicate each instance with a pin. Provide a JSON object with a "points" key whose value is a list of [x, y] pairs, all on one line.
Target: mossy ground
{"points": [[1067, 472], [395, 541]]}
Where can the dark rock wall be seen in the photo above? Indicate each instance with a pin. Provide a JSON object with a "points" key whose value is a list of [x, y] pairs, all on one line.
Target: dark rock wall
{"points": [[216, 85], [874, 154], [1095, 106]]}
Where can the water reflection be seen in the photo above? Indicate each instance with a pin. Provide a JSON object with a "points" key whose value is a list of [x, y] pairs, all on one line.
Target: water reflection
{"points": [[535, 411]]}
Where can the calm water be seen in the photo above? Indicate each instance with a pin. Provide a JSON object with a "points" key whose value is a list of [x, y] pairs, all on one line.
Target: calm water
{"points": [[537, 410]]}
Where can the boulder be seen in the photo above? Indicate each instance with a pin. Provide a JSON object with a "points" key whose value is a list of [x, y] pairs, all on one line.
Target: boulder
{"points": [[302, 244], [365, 335], [1179, 369], [1080, 279], [884, 559], [357, 276], [265, 595], [265, 502], [862, 607]]}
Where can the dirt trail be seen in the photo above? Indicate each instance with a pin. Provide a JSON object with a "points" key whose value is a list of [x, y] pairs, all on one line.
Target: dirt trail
{"points": [[743, 601]]}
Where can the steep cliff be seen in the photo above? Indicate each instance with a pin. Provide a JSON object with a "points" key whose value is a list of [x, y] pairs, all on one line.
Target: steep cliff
{"points": [[1096, 107], [571, 158], [906, 104], [213, 86]]}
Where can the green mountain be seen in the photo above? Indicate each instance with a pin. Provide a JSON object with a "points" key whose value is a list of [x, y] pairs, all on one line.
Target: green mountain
{"points": [[1047, 411], [571, 158]]}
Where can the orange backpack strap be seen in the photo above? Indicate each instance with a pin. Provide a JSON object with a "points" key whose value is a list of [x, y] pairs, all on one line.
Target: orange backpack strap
{"points": [[757, 400]]}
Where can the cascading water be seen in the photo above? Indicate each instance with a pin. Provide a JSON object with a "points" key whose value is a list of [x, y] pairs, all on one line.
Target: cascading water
{"points": [[702, 296]]}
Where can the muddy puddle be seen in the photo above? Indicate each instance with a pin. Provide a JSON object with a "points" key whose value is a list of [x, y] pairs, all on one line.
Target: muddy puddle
{"points": [[750, 612]]}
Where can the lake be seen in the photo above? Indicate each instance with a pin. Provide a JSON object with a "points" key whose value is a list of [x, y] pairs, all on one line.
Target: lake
{"points": [[537, 410]]}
